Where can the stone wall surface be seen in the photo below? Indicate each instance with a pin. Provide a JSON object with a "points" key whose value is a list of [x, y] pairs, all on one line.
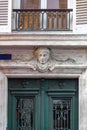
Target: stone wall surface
{"points": [[3, 101]]}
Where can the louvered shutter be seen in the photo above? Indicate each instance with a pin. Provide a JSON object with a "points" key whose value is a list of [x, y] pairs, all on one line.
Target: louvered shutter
{"points": [[81, 13], [5, 18]]}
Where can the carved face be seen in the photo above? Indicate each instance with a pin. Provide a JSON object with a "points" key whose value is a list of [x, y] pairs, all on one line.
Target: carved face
{"points": [[43, 56]]}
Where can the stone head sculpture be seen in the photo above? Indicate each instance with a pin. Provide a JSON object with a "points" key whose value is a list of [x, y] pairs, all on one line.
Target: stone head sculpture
{"points": [[42, 54]]}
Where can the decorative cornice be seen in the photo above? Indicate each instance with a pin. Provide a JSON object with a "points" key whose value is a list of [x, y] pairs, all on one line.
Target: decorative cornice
{"points": [[52, 40], [42, 36]]}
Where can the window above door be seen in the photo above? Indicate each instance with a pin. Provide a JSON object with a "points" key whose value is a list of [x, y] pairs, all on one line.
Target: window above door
{"points": [[69, 16], [42, 15], [43, 4]]}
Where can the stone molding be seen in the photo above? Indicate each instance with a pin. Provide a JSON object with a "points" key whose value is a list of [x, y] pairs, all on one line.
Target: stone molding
{"points": [[82, 96], [3, 101], [60, 61], [41, 39], [43, 36], [83, 101]]}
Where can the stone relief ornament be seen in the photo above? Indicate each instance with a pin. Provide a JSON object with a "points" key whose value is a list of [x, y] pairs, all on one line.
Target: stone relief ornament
{"points": [[40, 59], [43, 61]]}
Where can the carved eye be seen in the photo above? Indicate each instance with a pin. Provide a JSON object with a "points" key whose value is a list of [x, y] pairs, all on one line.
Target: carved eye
{"points": [[44, 55], [40, 55]]}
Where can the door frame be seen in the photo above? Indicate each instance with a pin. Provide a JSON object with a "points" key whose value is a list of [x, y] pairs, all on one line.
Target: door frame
{"points": [[43, 103]]}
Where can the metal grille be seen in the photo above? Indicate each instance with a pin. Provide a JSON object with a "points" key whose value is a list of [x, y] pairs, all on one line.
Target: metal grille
{"points": [[25, 113], [42, 19], [61, 114]]}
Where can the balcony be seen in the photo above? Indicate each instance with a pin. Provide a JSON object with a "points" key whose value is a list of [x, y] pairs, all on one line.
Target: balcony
{"points": [[42, 19]]}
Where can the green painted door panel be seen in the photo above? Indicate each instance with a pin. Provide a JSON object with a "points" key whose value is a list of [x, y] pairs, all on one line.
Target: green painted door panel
{"points": [[43, 104]]}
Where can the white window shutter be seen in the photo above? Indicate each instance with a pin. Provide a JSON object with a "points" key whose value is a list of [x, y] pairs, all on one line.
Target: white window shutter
{"points": [[81, 14], [5, 16]]}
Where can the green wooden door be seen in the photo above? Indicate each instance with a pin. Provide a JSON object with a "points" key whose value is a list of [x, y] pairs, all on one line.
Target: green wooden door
{"points": [[43, 104]]}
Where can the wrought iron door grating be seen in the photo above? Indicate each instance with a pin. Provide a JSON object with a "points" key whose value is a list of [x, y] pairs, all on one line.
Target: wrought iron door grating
{"points": [[25, 113], [61, 114]]}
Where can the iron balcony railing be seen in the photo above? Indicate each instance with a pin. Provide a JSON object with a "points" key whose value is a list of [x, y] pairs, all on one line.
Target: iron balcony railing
{"points": [[42, 19]]}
